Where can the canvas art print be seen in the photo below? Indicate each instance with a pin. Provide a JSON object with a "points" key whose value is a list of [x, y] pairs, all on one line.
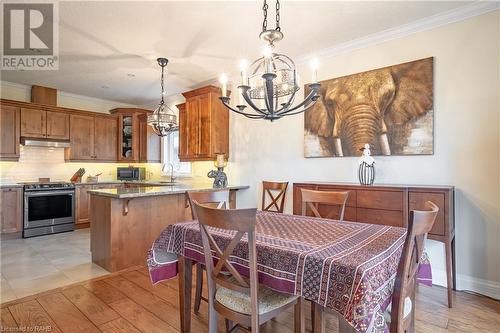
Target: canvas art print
{"points": [[389, 108]]}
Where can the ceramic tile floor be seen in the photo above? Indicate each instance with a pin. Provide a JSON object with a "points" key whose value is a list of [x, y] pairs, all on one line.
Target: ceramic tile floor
{"points": [[33, 265]]}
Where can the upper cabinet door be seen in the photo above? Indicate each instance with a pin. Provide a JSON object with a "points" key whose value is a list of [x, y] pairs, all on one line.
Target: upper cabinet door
{"points": [[183, 138], [33, 123], [57, 125], [205, 127], [192, 129], [106, 139], [9, 132], [82, 138]]}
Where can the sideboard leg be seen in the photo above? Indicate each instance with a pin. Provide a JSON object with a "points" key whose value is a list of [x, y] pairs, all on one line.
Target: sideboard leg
{"points": [[449, 271]]}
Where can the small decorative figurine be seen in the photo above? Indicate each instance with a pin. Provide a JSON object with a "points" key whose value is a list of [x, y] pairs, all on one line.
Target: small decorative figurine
{"points": [[366, 171], [220, 177]]}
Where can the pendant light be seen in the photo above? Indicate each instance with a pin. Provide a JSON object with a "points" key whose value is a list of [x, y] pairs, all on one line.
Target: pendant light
{"points": [[163, 120], [270, 84]]}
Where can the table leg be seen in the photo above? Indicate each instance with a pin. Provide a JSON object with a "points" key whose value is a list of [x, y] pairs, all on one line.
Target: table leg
{"points": [[318, 318], [185, 280]]}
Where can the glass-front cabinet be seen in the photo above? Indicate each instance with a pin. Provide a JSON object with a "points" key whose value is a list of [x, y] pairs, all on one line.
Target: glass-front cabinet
{"points": [[127, 134], [136, 143]]}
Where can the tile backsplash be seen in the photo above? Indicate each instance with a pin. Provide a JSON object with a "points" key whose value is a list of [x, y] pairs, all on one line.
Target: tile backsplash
{"points": [[43, 162], [36, 162]]}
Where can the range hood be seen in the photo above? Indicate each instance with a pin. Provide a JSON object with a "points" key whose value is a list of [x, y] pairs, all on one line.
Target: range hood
{"points": [[45, 143]]}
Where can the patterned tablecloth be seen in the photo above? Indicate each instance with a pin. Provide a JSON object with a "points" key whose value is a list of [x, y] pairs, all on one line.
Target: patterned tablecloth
{"points": [[346, 266]]}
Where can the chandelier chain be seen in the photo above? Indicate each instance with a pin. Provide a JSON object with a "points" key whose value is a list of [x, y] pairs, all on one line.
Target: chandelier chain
{"points": [[265, 7], [278, 28], [264, 10], [162, 86]]}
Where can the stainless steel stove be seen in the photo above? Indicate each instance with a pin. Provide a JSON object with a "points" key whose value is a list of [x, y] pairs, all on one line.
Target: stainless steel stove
{"points": [[48, 208]]}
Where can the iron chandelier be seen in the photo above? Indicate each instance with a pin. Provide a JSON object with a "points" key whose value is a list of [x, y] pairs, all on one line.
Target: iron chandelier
{"points": [[270, 88], [163, 119]]}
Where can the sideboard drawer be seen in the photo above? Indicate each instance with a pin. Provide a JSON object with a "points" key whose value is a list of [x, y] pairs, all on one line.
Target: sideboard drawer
{"points": [[417, 202], [379, 216], [390, 200], [351, 199]]}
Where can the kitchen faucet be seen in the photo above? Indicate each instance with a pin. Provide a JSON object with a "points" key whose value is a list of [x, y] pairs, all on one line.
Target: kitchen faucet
{"points": [[172, 176]]}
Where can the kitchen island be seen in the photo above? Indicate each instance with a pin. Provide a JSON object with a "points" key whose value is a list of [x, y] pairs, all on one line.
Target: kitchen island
{"points": [[126, 221]]}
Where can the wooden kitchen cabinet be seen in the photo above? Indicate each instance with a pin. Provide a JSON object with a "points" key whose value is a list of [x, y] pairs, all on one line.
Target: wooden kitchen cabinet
{"points": [[37, 123], [81, 138], [203, 125], [149, 142], [137, 141], [9, 132], [11, 217], [82, 202], [105, 139], [92, 138], [33, 123], [57, 125]]}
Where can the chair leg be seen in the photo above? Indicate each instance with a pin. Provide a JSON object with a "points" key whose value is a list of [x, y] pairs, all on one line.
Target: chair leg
{"points": [[344, 327], [199, 288], [229, 325], [318, 318], [299, 316]]}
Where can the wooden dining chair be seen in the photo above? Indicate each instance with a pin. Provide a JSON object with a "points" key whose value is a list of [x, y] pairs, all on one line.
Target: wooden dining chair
{"points": [[276, 192], [220, 200], [337, 200], [400, 314], [239, 300]]}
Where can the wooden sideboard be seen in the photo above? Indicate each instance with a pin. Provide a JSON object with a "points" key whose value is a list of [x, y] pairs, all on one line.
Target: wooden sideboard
{"points": [[390, 205]]}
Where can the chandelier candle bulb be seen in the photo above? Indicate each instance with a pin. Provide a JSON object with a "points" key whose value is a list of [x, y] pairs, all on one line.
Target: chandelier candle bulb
{"points": [[243, 67], [223, 81], [314, 67]]}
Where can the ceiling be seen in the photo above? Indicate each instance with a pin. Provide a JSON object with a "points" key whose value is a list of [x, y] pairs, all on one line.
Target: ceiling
{"points": [[108, 49]]}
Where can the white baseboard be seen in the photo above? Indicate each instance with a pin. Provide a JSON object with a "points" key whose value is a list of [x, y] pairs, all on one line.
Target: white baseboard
{"points": [[465, 282]]}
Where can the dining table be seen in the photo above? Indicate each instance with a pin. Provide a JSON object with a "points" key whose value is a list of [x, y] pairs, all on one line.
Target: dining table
{"points": [[346, 267]]}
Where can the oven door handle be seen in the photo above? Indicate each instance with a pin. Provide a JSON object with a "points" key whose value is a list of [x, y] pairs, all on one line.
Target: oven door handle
{"points": [[43, 193]]}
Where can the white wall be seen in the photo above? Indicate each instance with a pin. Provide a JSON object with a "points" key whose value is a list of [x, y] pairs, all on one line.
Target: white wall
{"points": [[466, 138]]}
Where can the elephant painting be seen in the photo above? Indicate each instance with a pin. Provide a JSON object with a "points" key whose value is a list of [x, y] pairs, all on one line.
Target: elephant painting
{"points": [[389, 108]]}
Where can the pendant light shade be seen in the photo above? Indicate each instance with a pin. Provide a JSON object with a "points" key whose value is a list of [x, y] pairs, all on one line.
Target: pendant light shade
{"points": [[163, 120]]}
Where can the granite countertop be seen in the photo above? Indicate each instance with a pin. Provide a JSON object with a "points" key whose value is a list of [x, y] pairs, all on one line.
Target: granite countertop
{"points": [[8, 184], [147, 191]]}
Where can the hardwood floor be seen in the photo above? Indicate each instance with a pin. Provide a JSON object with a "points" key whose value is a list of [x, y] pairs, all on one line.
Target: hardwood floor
{"points": [[128, 302]]}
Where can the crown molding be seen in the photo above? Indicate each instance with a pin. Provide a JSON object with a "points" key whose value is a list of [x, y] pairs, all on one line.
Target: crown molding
{"points": [[431, 22], [27, 88]]}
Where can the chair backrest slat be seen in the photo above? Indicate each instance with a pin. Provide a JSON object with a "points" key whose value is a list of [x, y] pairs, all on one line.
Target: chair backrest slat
{"points": [[241, 221], [276, 192], [218, 199], [419, 225], [312, 199]]}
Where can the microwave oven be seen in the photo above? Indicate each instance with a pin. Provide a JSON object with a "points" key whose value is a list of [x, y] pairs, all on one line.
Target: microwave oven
{"points": [[131, 173]]}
